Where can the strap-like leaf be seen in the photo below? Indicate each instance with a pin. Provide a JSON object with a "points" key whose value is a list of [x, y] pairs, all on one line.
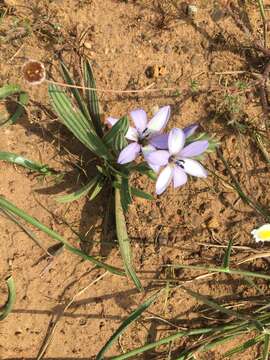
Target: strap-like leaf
{"points": [[121, 125], [28, 164], [126, 323], [265, 355], [141, 194], [76, 122], [226, 260], [76, 93], [247, 344], [123, 241], [9, 90], [144, 169], [119, 142], [79, 193], [11, 299], [125, 192], [5, 204], [92, 97], [214, 305]]}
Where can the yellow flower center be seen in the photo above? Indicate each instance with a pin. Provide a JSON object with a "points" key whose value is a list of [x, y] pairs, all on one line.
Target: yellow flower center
{"points": [[264, 234]]}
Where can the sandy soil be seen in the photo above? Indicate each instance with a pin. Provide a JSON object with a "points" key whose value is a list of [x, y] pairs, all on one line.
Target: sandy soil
{"points": [[132, 45]]}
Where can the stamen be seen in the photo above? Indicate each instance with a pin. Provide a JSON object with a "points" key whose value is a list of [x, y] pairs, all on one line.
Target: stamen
{"points": [[180, 163]]}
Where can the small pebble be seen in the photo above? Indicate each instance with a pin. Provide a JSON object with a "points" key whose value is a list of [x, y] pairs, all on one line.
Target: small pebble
{"points": [[192, 10], [163, 239]]}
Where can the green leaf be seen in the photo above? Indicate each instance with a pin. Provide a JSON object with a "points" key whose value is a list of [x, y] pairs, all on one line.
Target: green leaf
{"points": [[222, 270], [121, 125], [144, 169], [247, 344], [141, 194], [119, 142], [5, 204], [79, 193], [98, 187], [76, 93], [11, 299], [226, 260], [123, 240], [221, 308], [76, 122], [125, 193], [92, 98], [9, 90], [126, 323], [265, 355], [28, 164]]}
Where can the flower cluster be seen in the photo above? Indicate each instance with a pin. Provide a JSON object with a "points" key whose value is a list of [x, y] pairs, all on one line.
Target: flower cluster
{"points": [[167, 154]]}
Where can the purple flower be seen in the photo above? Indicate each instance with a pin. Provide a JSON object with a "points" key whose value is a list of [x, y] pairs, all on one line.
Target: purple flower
{"points": [[178, 160], [145, 136]]}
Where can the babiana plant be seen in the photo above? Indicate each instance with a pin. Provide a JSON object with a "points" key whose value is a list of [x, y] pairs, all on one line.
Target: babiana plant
{"points": [[172, 155], [167, 157]]}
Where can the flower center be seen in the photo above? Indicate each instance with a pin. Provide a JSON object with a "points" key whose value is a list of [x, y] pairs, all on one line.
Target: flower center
{"points": [[180, 163], [143, 137]]}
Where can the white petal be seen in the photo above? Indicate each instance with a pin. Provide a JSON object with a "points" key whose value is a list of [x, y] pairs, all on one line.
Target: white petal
{"points": [[146, 150], [164, 179], [194, 168], [111, 121], [176, 141], [262, 233], [132, 134], [139, 118], [179, 177], [159, 120]]}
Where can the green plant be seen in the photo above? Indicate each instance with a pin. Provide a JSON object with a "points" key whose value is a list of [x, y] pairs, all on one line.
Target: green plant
{"points": [[254, 324]]}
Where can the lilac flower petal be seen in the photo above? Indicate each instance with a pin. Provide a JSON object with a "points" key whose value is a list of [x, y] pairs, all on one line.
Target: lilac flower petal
{"points": [[146, 150], [111, 121], [159, 157], [159, 141], [164, 179], [176, 141], [159, 120], [194, 168], [129, 153], [179, 177], [190, 130], [194, 149], [139, 118], [132, 134]]}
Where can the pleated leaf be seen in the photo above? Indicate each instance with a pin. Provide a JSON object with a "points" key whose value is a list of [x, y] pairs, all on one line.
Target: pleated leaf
{"points": [[121, 125], [9, 90], [11, 299], [92, 98], [125, 192], [76, 93], [123, 240], [140, 193], [28, 164], [76, 122], [5, 204], [119, 142], [144, 169], [83, 191]]}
